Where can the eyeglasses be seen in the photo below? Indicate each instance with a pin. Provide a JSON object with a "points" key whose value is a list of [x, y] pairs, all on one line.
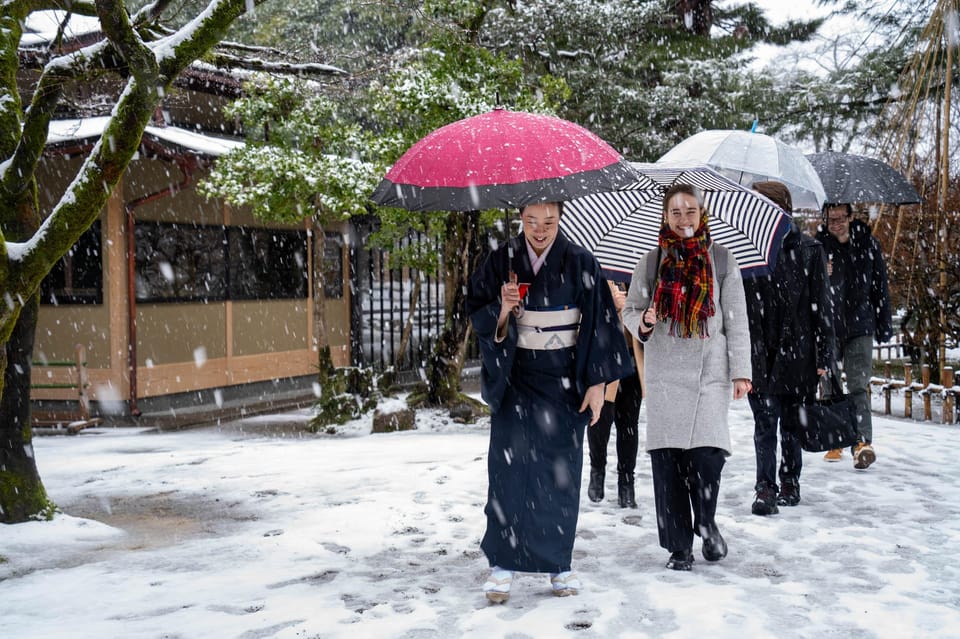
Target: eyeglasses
{"points": [[836, 221]]}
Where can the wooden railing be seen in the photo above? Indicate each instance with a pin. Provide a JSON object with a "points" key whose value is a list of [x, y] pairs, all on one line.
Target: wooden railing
{"points": [[889, 350], [947, 391], [76, 416]]}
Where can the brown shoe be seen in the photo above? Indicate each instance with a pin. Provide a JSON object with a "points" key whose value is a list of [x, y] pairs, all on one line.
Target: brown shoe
{"points": [[863, 456], [834, 455]]}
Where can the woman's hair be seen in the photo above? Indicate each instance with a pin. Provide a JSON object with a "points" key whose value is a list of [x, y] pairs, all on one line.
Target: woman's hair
{"points": [[687, 189], [777, 192], [559, 204]]}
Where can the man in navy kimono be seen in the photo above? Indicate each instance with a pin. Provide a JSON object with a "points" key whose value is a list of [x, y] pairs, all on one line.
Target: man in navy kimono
{"points": [[550, 339]]}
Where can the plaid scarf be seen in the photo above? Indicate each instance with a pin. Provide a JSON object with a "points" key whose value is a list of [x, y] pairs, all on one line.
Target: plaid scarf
{"points": [[685, 290]]}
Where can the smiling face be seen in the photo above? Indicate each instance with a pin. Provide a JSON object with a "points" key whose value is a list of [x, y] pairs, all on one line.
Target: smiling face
{"points": [[541, 223], [683, 214], [838, 222]]}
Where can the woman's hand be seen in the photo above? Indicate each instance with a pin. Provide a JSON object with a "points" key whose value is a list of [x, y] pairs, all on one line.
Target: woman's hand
{"points": [[593, 399], [509, 297], [741, 387], [619, 297], [648, 321]]}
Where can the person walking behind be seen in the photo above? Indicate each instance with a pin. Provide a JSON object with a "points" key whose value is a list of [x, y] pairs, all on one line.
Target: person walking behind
{"points": [[621, 404], [861, 300], [546, 355], [686, 303], [791, 337]]}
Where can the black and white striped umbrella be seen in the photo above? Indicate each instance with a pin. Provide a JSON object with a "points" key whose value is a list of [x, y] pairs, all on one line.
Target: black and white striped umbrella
{"points": [[619, 227]]}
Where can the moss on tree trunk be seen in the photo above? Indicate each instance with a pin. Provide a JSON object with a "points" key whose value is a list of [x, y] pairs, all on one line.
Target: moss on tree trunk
{"points": [[22, 496]]}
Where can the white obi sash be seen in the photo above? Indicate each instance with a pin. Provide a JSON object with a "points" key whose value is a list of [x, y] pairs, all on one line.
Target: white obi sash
{"points": [[549, 329]]}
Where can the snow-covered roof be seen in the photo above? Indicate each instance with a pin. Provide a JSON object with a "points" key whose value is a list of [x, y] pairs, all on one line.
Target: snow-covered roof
{"points": [[87, 128], [41, 27]]}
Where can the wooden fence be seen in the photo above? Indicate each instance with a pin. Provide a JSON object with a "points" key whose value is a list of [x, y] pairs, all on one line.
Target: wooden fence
{"points": [[948, 392]]}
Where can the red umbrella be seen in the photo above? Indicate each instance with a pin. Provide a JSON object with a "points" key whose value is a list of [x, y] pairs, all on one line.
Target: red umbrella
{"points": [[502, 159]]}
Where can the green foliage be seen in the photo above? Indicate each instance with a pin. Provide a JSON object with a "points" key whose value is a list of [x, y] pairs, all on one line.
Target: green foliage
{"points": [[354, 35], [637, 79], [449, 80], [301, 157], [840, 105]]}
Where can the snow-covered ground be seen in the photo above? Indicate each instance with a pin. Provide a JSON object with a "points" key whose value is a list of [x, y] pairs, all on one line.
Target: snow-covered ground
{"points": [[254, 529]]}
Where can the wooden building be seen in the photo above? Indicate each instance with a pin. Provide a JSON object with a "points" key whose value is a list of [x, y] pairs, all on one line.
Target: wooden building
{"points": [[175, 299]]}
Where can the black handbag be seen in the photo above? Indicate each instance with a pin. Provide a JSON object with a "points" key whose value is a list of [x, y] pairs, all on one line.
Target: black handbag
{"points": [[826, 423]]}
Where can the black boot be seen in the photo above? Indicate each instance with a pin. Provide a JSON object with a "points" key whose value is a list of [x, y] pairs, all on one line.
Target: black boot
{"points": [[714, 546], [625, 493], [595, 490], [789, 492]]}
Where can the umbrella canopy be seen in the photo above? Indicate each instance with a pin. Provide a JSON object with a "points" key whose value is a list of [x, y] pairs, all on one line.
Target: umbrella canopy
{"points": [[620, 226], [502, 159], [746, 158], [849, 178]]}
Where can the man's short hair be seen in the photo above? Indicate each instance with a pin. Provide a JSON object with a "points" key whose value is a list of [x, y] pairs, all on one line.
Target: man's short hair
{"points": [[830, 205]]}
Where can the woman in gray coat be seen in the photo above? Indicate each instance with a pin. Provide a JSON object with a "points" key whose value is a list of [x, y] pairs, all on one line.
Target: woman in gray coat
{"points": [[686, 303]]}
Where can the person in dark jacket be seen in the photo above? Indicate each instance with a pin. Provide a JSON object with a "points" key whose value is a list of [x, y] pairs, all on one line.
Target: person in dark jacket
{"points": [[792, 345], [858, 278], [621, 404]]}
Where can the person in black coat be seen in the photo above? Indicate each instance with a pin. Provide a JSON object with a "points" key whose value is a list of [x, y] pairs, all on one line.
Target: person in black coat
{"points": [[858, 279], [621, 404], [792, 346]]}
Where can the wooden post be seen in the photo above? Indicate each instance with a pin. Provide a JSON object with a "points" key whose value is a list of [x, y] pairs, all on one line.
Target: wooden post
{"points": [[948, 396], [925, 381], [887, 374], [82, 382], [908, 390]]}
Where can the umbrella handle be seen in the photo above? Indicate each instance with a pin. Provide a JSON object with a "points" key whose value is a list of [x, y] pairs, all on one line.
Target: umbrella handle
{"points": [[512, 279]]}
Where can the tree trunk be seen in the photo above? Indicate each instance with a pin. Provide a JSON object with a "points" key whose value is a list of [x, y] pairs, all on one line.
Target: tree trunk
{"points": [[325, 368], [461, 258], [401, 356], [696, 16], [22, 496]]}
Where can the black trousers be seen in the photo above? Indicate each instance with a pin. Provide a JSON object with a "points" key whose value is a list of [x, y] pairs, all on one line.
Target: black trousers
{"points": [[625, 411], [768, 411], [686, 485]]}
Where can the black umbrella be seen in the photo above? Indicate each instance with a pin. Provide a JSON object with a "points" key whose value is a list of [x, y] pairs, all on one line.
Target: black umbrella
{"points": [[849, 178]]}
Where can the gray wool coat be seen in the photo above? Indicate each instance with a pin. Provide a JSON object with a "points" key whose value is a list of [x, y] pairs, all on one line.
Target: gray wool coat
{"points": [[689, 382]]}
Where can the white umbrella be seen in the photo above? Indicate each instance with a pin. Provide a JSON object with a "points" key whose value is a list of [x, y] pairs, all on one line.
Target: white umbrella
{"points": [[618, 227], [747, 157]]}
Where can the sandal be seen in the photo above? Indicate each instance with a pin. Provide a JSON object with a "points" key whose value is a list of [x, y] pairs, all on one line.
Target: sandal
{"points": [[497, 585]]}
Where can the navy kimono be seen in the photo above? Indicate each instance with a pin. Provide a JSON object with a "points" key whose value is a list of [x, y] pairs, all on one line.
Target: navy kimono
{"points": [[568, 339]]}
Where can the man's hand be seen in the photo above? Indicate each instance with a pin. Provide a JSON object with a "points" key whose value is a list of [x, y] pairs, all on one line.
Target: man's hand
{"points": [[593, 399]]}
